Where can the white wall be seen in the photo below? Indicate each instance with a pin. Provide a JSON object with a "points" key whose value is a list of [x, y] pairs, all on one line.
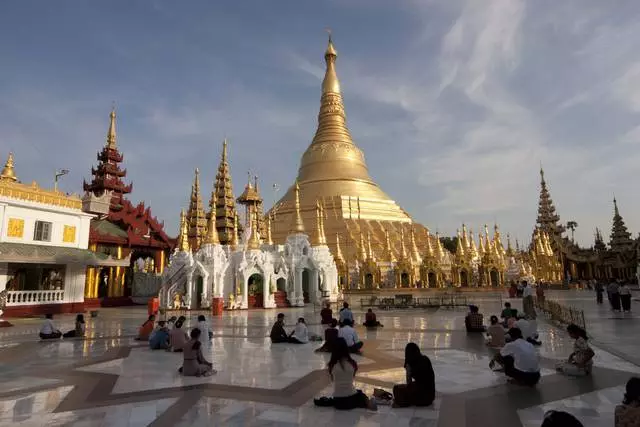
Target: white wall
{"points": [[31, 212], [74, 283]]}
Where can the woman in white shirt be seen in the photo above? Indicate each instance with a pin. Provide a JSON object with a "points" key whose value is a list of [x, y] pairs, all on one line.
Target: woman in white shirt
{"points": [[625, 297], [342, 370], [300, 334], [48, 330], [520, 360]]}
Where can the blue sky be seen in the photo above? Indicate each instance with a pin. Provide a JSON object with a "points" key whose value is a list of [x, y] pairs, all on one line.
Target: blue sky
{"points": [[455, 103]]}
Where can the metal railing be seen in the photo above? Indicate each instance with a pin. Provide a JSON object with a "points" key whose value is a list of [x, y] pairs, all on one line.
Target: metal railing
{"points": [[34, 297], [404, 301], [561, 313]]}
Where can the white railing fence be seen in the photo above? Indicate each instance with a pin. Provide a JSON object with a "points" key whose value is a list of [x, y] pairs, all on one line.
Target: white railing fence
{"points": [[34, 297]]}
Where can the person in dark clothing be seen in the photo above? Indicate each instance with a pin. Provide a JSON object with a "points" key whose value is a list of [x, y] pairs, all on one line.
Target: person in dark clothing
{"points": [[474, 320], [330, 335], [326, 314], [278, 334], [560, 419], [420, 389], [370, 320], [613, 291], [599, 292]]}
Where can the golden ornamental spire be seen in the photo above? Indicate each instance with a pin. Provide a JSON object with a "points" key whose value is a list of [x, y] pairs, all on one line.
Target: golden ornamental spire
{"points": [[439, 250], [254, 238], [183, 240], [388, 251], [488, 247], [317, 234], [370, 254], [196, 218], [403, 248], [322, 231], [212, 232], [8, 172], [111, 133], [473, 248], [298, 225], [330, 83], [459, 245], [465, 240], [415, 254], [339, 256], [482, 249], [363, 248], [269, 238], [234, 238], [509, 248], [429, 248]]}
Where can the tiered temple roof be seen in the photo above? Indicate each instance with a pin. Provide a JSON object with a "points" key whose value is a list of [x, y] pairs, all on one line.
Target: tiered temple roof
{"points": [[225, 203], [548, 219], [620, 237], [196, 218]]}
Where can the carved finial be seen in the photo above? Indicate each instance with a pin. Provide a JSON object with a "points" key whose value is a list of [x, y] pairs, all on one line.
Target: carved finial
{"points": [[298, 225], [183, 240], [212, 232], [111, 133], [8, 172]]}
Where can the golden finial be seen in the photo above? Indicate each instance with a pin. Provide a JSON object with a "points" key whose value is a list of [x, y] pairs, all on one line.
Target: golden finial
{"points": [[322, 230], [339, 256], [212, 233], [224, 150], [460, 245], [269, 238], [403, 248], [370, 253], [254, 239], [8, 172], [363, 249], [473, 248], [482, 250], [465, 239], [330, 83], [111, 133], [509, 248], [183, 240], [429, 249], [234, 238], [390, 257], [298, 225], [317, 235], [439, 249], [415, 255]]}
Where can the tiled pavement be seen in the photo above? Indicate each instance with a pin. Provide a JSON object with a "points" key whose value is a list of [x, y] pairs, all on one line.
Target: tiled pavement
{"points": [[111, 380]]}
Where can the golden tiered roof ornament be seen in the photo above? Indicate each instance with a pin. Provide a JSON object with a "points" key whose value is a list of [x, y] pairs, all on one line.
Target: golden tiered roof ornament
{"points": [[196, 217], [111, 133], [212, 232], [298, 225], [8, 172], [183, 238], [389, 256]]}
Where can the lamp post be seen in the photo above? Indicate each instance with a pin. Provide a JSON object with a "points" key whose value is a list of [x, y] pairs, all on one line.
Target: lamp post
{"points": [[59, 173]]}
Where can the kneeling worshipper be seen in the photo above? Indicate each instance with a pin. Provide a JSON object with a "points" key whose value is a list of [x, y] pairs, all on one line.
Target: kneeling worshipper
{"points": [[495, 334], [519, 360], [330, 335], [195, 365], [326, 314], [300, 334], [48, 331], [159, 339], [420, 389], [342, 370], [474, 321], [78, 331], [370, 320], [345, 314], [145, 330], [177, 337], [278, 334], [350, 336], [580, 362]]}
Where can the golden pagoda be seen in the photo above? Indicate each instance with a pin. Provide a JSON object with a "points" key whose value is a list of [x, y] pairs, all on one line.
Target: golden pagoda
{"points": [[225, 205], [333, 172], [196, 218], [8, 172]]}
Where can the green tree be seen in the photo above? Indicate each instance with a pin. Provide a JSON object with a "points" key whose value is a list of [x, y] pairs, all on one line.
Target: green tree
{"points": [[572, 225], [449, 243]]}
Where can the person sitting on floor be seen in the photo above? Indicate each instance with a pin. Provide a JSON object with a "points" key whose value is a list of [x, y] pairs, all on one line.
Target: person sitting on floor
{"points": [[195, 365], [370, 320], [159, 339], [528, 327], [474, 320], [342, 370], [330, 335], [519, 360], [177, 337], [300, 334], [495, 333], [508, 313], [560, 419], [580, 362], [48, 331], [345, 314], [278, 334], [146, 329], [205, 332], [420, 389], [78, 332], [350, 336], [326, 314], [171, 322], [628, 414]]}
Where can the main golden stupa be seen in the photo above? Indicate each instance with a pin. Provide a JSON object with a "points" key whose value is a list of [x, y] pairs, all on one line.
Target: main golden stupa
{"points": [[333, 174]]}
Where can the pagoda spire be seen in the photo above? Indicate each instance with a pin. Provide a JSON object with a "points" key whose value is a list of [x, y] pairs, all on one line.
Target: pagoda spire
{"points": [[388, 251], [472, 246], [269, 240], [322, 217], [370, 253], [509, 248], [620, 238], [212, 232], [415, 254], [111, 133], [439, 249], [317, 235], [298, 225], [339, 256], [459, 245], [403, 248], [234, 233], [254, 239], [363, 248], [225, 209], [547, 219], [482, 250], [183, 239], [196, 217], [8, 172], [429, 254]]}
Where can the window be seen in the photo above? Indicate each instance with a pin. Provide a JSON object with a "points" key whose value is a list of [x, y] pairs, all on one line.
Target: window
{"points": [[42, 231]]}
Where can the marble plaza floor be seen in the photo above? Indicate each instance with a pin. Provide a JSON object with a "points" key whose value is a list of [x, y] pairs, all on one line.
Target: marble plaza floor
{"points": [[109, 379]]}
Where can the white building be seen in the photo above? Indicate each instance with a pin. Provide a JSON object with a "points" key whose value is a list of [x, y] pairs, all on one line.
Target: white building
{"points": [[230, 276], [44, 237]]}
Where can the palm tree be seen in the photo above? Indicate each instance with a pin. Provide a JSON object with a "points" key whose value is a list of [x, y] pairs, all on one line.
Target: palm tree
{"points": [[572, 225]]}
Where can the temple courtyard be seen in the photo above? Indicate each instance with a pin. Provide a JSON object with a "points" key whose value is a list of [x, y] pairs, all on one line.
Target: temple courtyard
{"points": [[109, 379]]}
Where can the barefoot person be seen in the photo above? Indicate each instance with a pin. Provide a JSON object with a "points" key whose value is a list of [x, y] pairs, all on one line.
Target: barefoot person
{"points": [[474, 321], [195, 365], [278, 334], [350, 336], [78, 331], [370, 320], [300, 334], [628, 414], [519, 359], [146, 329], [420, 389], [326, 314], [330, 335], [580, 362], [48, 331]]}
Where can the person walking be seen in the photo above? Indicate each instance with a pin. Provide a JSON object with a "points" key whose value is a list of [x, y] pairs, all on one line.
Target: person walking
{"points": [[625, 297], [599, 291], [613, 291]]}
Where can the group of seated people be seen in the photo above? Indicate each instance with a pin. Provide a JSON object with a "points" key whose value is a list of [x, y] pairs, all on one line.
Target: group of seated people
{"points": [[497, 333], [419, 390], [49, 331]]}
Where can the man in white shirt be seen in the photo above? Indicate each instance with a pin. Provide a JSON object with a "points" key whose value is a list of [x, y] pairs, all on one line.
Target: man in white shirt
{"points": [[520, 360], [205, 332], [350, 336], [529, 329], [48, 330]]}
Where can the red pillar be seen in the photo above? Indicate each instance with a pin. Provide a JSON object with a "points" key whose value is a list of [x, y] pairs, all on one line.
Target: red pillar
{"points": [[217, 305]]}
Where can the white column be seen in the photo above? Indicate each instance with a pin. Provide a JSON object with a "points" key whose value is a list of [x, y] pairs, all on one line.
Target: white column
{"points": [[299, 294], [4, 275], [313, 286], [245, 292]]}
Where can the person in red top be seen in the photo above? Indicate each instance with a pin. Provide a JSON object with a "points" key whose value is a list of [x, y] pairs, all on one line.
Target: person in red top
{"points": [[146, 329], [370, 320], [326, 315]]}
